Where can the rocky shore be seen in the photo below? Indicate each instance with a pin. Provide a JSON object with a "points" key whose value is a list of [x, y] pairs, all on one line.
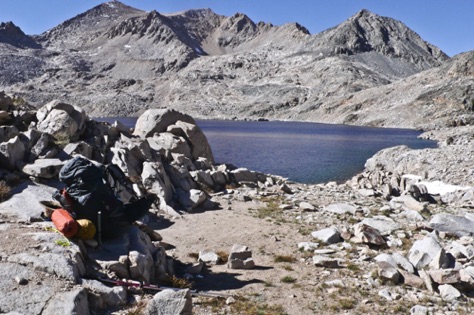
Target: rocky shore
{"points": [[397, 238]]}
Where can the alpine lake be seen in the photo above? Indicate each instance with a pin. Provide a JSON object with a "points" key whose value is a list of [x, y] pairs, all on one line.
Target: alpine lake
{"points": [[300, 151]]}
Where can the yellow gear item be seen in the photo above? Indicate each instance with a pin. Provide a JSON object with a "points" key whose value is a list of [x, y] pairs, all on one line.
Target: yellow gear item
{"points": [[86, 229]]}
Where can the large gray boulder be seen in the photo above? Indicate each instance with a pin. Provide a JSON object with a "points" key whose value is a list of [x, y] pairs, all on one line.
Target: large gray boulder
{"points": [[167, 143], [71, 302], [8, 132], [11, 152], [44, 168], [156, 180], [198, 142], [424, 251], [62, 120], [452, 224], [24, 205], [157, 120], [166, 302], [329, 235]]}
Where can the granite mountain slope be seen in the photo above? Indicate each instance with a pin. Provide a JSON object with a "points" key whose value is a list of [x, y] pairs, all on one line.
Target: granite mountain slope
{"points": [[116, 60]]}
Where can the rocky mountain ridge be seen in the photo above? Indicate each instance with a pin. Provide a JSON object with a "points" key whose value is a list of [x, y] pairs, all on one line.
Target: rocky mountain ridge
{"points": [[115, 60]]}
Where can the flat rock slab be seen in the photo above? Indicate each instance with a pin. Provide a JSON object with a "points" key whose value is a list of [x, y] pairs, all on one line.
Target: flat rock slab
{"points": [[30, 298], [452, 224], [383, 224], [340, 208], [25, 201]]}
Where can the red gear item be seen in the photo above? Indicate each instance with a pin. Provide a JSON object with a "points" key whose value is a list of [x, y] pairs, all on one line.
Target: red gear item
{"points": [[64, 222]]}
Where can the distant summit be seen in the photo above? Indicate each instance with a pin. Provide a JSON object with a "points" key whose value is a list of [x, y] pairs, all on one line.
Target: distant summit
{"points": [[79, 30], [368, 32], [13, 35]]}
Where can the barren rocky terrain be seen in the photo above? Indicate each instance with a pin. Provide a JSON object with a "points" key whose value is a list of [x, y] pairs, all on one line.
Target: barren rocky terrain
{"points": [[396, 238]]}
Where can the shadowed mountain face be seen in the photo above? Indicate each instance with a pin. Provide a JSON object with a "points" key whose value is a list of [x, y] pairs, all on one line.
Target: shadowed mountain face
{"points": [[118, 60], [13, 35]]}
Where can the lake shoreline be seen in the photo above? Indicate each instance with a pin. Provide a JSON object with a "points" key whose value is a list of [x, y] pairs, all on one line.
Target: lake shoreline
{"points": [[318, 152]]}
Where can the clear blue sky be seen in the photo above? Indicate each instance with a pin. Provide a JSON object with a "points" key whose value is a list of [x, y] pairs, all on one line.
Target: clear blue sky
{"points": [[448, 24]]}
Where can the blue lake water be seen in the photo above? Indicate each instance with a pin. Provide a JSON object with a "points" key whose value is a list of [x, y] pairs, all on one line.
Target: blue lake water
{"points": [[302, 152]]}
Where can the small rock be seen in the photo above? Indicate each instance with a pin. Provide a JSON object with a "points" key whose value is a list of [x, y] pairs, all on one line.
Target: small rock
{"points": [[412, 280], [366, 192], [308, 246], [305, 206], [385, 293], [367, 234], [427, 279], [388, 272], [441, 261], [209, 257], [329, 236], [402, 262], [240, 252], [419, 310], [448, 292], [286, 189], [423, 251], [340, 208], [445, 276], [241, 264], [230, 300], [195, 268], [21, 281], [324, 261]]}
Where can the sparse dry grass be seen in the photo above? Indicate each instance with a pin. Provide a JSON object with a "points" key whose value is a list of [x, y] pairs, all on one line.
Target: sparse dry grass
{"points": [[179, 283], [288, 279], [284, 258], [241, 306], [4, 191], [223, 256]]}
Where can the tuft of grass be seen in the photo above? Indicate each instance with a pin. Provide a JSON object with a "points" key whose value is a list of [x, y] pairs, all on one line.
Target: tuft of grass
{"points": [[5, 191], [284, 258], [288, 279], [272, 210], [288, 268], [347, 303], [353, 267], [305, 230], [64, 242], [224, 257], [137, 309], [179, 283], [248, 307], [61, 140]]}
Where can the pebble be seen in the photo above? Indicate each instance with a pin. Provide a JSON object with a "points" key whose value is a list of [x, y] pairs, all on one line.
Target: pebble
{"points": [[21, 281]]}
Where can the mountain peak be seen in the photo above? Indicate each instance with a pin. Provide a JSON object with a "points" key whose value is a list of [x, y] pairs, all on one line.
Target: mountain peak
{"points": [[79, 29], [13, 35], [363, 13], [368, 32]]}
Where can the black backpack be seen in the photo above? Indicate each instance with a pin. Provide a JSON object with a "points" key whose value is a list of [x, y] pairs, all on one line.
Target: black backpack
{"points": [[88, 193]]}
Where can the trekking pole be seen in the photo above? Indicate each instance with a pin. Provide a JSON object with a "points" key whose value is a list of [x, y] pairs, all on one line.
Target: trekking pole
{"points": [[99, 228], [136, 284]]}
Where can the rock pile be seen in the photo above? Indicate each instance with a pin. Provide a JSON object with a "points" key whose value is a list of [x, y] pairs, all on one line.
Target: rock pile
{"points": [[166, 154]]}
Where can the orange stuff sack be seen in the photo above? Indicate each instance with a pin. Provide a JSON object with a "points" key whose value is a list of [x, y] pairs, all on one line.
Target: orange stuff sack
{"points": [[64, 222]]}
